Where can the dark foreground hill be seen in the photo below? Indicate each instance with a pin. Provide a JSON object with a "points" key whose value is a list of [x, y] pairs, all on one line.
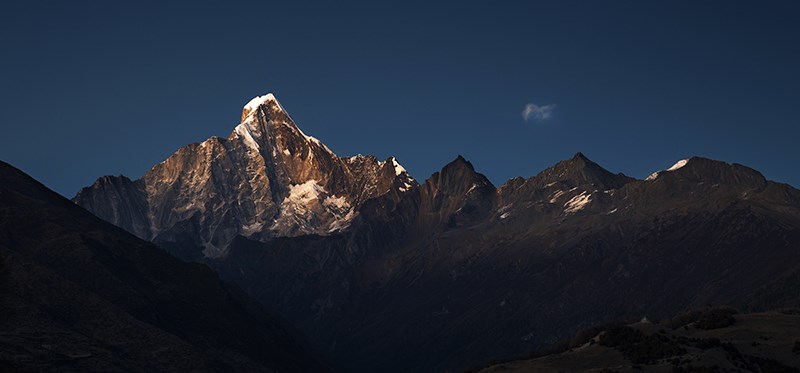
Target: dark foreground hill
{"points": [[766, 342], [78, 294]]}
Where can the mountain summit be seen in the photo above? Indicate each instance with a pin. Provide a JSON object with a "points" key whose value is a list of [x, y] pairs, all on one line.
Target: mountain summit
{"points": [[267, 179]]}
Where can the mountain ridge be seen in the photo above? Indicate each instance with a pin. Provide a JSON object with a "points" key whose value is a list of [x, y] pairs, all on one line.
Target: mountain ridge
{"points": [[456, 269], [540, 234]]}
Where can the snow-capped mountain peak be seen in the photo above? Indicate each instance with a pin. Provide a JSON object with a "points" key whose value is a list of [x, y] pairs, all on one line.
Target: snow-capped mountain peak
{"points": [[267, 179], [259, 101]]}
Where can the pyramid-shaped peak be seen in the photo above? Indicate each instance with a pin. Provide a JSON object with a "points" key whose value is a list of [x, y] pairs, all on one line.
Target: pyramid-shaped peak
{"points": [[462, 169], [580, 156], [578, 161], [581, 170], [458, 176], [258, 101], [459, 163]]}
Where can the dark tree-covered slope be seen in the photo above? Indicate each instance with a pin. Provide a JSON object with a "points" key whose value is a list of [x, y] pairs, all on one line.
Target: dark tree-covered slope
{"points": [[78, 294]]}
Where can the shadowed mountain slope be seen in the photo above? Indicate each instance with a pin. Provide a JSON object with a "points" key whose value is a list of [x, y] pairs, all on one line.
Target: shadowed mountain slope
{"points": [[456, 271], [78, 294]]}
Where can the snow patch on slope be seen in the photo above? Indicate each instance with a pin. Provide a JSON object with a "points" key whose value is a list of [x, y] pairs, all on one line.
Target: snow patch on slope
{"points": [[652, 176], [555, 196], [505, 211], [577, 203], [309, 209], [304, 193], [337, 202], [243, 131], [250, 229], [343, 222], [406, 186]]}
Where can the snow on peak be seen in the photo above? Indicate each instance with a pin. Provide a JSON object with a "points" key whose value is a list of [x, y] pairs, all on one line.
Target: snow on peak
{"points": [[677, 165], [354, 158], [260, 100], [398, 169]]}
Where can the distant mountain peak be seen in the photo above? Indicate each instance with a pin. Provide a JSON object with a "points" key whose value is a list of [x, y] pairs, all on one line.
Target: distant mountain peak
{"points": [[459, 163], [580, 156], [581, 170], [459, 175], [702, 169], [581, 160]]}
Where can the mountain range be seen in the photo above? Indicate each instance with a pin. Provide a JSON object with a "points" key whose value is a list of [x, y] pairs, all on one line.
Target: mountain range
{"points": [[385, 273]]}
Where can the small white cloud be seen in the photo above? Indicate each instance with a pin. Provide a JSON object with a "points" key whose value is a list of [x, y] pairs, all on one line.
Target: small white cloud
{"points": [[537, 113]]}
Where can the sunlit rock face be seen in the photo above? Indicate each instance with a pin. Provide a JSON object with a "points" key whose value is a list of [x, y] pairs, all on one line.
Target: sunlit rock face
{"points": [[267, 179]]}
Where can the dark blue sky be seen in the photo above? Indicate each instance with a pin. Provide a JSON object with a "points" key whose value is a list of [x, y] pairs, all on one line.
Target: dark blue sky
{"points": [[93, 88]]}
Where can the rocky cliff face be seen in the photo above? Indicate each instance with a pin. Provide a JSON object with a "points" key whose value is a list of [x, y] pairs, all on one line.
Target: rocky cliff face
{"points": [[267, 179]]}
